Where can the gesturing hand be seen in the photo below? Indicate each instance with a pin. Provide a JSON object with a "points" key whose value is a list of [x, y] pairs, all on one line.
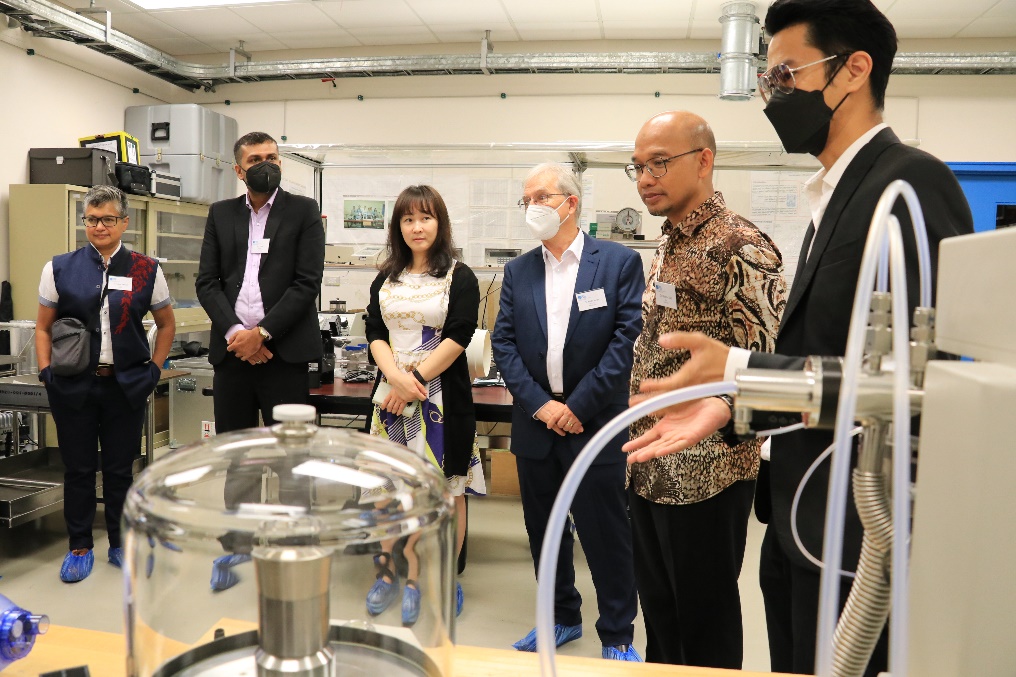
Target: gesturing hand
{"points": [[683, 426], [706, 365]]}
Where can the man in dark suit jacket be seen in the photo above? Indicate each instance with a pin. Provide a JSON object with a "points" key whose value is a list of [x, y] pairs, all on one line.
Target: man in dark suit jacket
{"points": [[570, 314], [833, 111], [260, 274], [259, 277]]}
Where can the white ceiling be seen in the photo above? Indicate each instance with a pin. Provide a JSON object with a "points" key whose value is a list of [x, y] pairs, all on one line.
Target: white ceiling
{"points": [[310, 24]]}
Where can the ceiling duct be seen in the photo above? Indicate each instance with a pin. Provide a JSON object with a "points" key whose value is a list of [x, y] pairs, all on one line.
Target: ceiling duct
{"points": [[739, 51], [44, 18]]}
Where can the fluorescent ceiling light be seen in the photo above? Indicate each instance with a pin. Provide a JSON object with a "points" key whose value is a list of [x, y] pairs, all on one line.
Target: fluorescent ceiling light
{"points": [[197, 4]]}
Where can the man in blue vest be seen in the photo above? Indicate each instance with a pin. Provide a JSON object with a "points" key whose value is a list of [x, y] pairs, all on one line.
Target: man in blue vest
{"points": [[110, 289]]}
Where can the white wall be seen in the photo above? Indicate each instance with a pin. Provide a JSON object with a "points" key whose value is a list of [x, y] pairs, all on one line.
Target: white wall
{"points": [[67, 91], [50, 104]]}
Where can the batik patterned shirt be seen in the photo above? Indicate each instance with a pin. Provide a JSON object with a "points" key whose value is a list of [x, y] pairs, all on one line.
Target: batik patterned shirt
{"points": [[728, 277]]}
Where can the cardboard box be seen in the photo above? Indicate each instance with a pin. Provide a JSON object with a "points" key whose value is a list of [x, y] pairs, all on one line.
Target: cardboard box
{"points": [[504, 475], [125, 146]]}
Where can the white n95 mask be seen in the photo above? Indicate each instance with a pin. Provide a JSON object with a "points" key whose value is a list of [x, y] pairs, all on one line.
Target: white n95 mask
{"points": [[543, 221]]}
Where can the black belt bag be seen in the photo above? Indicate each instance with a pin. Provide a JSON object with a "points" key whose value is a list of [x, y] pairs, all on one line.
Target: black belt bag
{"points": [[72, 343], [72, 347]]}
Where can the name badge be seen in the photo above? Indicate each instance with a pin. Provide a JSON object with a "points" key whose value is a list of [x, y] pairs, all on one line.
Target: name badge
{"points": [[260, 246], [666, 295], [594, 298], [120, 282]]}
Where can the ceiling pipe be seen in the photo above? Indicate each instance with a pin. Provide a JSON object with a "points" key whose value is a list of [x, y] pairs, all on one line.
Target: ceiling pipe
{"points": [[41, 17]]}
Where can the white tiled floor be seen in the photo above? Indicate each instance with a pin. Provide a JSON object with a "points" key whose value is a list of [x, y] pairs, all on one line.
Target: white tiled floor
{"points": [[499, 583]]}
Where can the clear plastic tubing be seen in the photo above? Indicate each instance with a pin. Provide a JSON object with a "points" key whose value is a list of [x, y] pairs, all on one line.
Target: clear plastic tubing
{"points": [[555, 524], [882, 227]]}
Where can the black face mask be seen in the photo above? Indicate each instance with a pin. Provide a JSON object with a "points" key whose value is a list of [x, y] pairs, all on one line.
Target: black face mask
{"points": [[801, 119], [264, 177]]}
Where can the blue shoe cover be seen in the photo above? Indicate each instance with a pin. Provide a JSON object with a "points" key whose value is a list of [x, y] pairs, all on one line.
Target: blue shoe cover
{"points": [[76, 567], [459, 599], [410, 604], [227, 561], [562, 635], [115, 556], [223, 577], [622, 653], [381, 595]]}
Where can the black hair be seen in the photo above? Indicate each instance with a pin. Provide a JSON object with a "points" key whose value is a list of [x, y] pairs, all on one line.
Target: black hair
{"points": [[842, 27], [441, 255], [250, 139]]}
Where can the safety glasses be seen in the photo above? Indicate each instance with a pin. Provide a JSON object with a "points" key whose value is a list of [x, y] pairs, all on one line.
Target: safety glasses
{"points": [[781, 77]]}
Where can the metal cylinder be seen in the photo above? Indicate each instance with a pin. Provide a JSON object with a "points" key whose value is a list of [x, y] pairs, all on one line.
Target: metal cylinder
{"points": [[293, 611], [738, 51], [778, 390]]}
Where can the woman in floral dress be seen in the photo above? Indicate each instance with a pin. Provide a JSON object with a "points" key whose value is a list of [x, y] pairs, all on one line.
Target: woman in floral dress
{"points": [[421, 317]]}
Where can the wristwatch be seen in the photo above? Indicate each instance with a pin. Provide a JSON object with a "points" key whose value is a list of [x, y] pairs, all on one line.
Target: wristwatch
{"points": [[264, 333], [730, 438], [419, 377]]}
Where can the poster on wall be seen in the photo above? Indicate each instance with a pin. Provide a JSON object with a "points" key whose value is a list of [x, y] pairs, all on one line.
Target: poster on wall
{"points": [[362, 205], [364, 213], [779, 207]]}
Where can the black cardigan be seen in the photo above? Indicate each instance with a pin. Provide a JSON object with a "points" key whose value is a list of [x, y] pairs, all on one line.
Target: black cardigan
{"points": [[463, 305]]}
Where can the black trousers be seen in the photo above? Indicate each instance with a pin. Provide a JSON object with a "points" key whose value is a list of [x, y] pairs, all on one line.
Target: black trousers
{"points": [[791, 595], [240, 391], [601, 519], [109, 420], [687, 561]]}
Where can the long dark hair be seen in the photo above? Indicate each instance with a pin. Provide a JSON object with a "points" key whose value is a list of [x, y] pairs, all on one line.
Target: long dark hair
{"points": [[441, 255]]}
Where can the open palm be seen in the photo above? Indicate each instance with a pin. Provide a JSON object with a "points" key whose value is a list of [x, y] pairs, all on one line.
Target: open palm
{"points": [[680, 428]]}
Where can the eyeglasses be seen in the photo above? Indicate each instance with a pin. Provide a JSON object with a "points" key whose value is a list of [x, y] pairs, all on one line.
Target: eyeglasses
{"points": [[657, 167], [94, 221], [781, 77], [541, 199]]}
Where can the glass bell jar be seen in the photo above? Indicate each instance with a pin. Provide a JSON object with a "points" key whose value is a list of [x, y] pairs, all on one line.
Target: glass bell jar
{"points": [[259, 553]]}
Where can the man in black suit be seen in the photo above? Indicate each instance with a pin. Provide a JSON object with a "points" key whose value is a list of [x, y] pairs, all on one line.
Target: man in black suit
{"points": [[258, 280], [259, 277], [830, 62]]}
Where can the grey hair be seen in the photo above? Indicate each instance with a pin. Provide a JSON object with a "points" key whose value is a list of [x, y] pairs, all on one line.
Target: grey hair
{"points": [[564, 178], [100, 195]]}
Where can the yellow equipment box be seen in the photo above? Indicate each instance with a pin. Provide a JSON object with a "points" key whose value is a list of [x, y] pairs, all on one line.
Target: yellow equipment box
{"points": [[123, 144]]}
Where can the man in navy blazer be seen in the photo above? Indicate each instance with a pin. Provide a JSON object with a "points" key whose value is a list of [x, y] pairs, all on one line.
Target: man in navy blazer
{"points": [[570, 312]]}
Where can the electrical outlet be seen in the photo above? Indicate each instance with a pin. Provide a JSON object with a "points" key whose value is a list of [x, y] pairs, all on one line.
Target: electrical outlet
{"points": [[332, 281]]}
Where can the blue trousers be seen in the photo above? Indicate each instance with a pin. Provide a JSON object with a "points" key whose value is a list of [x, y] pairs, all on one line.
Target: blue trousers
{"points": [[601, 519], [108, 420]]}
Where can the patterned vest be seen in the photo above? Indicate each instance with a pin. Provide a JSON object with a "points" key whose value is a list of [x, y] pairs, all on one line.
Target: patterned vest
{"points": [[78, 278]]}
